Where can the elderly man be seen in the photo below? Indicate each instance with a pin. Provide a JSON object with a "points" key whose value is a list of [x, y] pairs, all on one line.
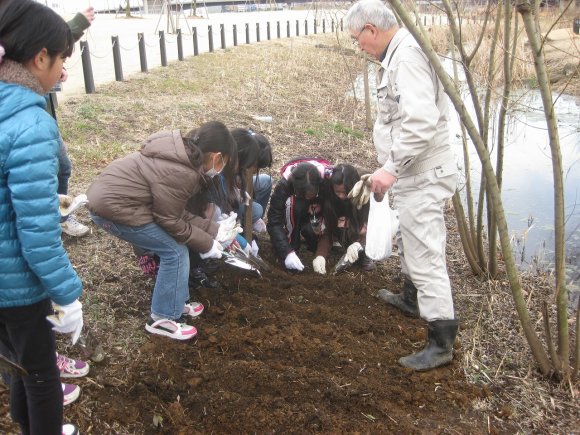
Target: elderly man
{"points": [[412, 141]]}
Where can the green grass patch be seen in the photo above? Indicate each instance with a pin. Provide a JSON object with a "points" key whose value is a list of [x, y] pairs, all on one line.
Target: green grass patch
{"points": [[343, 129]]}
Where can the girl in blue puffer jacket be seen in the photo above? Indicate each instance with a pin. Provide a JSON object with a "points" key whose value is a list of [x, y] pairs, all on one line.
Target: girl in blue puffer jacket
{"points": [[37, 280]]}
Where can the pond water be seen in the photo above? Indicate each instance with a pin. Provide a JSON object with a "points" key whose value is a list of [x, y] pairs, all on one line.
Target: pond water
{"points": [[527, 178]]}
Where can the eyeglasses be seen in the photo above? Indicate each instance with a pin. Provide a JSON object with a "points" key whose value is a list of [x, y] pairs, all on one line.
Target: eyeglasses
{"points": [[355, 39]]}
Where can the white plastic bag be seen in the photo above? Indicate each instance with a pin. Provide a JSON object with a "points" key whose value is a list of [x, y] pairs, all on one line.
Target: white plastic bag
{"points": [[382, 225]]}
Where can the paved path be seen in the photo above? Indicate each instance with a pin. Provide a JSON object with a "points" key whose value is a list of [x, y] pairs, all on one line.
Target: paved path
{"points": [[99, 35]]}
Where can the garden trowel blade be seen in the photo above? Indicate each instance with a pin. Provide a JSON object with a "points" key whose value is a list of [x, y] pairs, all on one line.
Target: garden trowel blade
{"points": [[241, 262], [10, 367], [259, 262], [342, 264]]}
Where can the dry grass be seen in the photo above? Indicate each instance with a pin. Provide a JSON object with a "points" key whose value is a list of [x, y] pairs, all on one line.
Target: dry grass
{"points": [[562, 63], [304, 89]]}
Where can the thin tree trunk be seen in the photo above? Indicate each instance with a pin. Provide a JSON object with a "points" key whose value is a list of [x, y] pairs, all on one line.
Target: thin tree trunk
{"points": [[248, 228], [532, 31], [368, 116], [464, 236], [491, 227]]}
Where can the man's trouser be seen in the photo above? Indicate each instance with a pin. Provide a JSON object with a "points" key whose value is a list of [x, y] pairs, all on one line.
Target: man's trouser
{"points": [[421, 238]]}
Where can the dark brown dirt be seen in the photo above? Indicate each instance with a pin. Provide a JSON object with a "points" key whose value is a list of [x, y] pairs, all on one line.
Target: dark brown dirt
{"points": [[288, 353]]}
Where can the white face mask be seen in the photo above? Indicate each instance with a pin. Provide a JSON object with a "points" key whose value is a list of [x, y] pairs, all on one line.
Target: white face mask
{"points": [[213, 171]]}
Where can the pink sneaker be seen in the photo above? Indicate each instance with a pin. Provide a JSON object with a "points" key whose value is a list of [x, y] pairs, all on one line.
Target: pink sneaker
{"points": [[193, 309], [171, 329], [71, 393], [71, 368]]}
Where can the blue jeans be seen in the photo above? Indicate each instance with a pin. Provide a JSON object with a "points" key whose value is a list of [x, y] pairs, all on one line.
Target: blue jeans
{"points": [[171, 290], [262, 191], [64, 169]]}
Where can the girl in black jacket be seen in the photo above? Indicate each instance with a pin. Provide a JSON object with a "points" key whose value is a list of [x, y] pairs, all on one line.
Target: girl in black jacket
{"points": [[296, 209]]}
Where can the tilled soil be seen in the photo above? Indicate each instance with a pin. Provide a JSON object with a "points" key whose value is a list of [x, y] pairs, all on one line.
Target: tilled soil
{"points": [[287, 353]]}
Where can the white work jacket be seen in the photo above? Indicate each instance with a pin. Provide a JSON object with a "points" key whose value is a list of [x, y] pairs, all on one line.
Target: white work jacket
{"points": [[410, 133]]}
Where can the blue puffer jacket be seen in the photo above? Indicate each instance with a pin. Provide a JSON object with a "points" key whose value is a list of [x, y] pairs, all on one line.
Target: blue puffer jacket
{"points": [[33, 262]]}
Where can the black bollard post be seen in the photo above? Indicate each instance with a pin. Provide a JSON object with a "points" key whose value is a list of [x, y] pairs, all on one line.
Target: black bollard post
{"points": [[247, 33], [341, 28], [315, 26], [210, 38], [332, 25], [297, 28], [179, 45], [162, 48], [257, 32], [288, 29], [268, 31], [195, 47], [87, 68], [324, 25], [235, 35], [142, 52], [117, 59], [306, 27], [223, 36], [278, 29]]}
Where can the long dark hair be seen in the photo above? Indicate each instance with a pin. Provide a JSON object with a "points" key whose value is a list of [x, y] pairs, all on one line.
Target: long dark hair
{"points": [[333, 207], [213, 137], [305, 179], [26, 27], [248, 154]]}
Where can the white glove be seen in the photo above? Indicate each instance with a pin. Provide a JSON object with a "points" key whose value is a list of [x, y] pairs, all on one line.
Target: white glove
{"points": [[293, 262], [259, 226], [215, 251], [68, 204], [67, 319], [352, 252], [225, 217], [254, 248], [228, 230], [319, 265], [361, 191]]}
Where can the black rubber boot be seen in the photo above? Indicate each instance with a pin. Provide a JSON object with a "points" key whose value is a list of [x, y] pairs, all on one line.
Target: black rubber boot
{"points": [[406, 301], [365, 262], [439, 349]]}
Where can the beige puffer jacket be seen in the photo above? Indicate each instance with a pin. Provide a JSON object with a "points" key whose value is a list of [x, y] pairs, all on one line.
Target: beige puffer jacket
{"points": [[154, 185]]}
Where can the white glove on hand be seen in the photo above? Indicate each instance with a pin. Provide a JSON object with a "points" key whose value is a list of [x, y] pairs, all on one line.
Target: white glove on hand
{"points": [[254, 248], [259, 226], [319, 265], [215, 251], [228, 230], [67, 319], [361, 191], [226, 217], [293, 262], [352, 252]]}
